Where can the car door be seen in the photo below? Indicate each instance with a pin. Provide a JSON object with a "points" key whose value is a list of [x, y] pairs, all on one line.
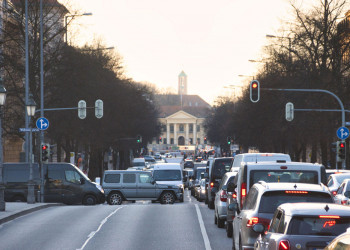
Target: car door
{"points": [[277, 226], [145, 189], [338, 197], [129, 185], [53, 185], [72, 191]]}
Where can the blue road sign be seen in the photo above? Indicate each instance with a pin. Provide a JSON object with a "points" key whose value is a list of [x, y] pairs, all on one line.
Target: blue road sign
{"points": [[28, 130], [343, 133], [42, 123]]}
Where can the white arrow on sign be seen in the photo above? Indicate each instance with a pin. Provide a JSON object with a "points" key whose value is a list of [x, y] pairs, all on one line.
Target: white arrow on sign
{"points": [[343, 134]]}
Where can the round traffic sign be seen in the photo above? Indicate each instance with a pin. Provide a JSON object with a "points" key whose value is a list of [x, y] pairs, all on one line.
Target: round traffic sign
{"points": [[42, 123], [343, 133]]}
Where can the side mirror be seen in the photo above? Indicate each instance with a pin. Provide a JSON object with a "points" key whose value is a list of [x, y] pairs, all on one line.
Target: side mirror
{"points": [[233, 207], [152, 181], [347, 194], [206, 175], [82, 180], [259, 228]]}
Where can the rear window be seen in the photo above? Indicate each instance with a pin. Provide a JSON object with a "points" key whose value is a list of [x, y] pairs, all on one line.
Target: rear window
{"points": [[221, 167], [290, 176], [271, 200], [112, 178], [167, 175], [188, 164], [341, 177], [138, 164], [314, 225], [199, 172]]}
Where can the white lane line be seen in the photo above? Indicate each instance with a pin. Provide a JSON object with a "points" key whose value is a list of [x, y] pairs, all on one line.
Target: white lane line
{"points": [[204, 232], [92, 234]]}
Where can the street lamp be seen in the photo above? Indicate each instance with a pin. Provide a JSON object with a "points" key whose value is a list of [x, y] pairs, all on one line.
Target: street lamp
{"points": [[31, 106], [2, 187], [66, 19], [289, 44], [107, 48]]}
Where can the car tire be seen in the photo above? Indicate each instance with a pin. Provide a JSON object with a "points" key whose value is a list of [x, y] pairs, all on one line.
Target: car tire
{"points": [[221, 222], [89, 200], [215, 219], [167, 198], [229, 229], [115, 198]]}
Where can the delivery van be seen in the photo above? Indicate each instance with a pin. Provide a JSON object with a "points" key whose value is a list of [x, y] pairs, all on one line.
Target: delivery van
{"points": [[63, 183]]}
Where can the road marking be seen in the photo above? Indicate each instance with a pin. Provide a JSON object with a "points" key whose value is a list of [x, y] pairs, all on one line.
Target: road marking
{"points": [[204, 232], [92, 234]]}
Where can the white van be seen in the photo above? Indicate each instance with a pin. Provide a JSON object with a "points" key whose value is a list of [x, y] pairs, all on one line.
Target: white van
{"points": [[169, 173], [287, 172], [257, 157]]}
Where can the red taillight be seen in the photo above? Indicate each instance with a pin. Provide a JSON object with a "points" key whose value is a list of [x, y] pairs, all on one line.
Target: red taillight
{"points": [[252, 221], [296, 192], [234, 195], [223, 196], [243, 193], [211, 184], [334, 193], [329, 216], [343, 202], [284, 245]]}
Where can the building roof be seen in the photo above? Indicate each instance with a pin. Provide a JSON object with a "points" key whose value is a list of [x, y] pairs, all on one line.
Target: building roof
{"points": [[182, 73], [199, 112]]}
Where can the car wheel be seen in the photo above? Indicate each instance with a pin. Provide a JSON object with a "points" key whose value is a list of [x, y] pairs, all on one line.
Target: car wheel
{"points": [[221, 222], [167, 198], [229, 230], [89, 200], [215, 219], [115, 199]]}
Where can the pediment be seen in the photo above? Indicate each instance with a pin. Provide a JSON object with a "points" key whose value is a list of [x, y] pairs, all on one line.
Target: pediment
{"points": [[181, 115]]}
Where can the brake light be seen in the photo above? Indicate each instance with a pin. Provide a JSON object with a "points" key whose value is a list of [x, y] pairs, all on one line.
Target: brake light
{"points": [[243, 193], [211, 184], [223, 196], [295, 192], [284, 245], [252, 221], [283, 167], [234, 195], [329, 216], [334, 193]]}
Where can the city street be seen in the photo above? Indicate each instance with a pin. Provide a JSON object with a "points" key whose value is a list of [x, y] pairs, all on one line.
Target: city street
{"points": [[140, 225]]}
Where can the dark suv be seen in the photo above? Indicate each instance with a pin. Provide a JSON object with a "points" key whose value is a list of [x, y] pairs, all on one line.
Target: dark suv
{"points": [[261, 203]]}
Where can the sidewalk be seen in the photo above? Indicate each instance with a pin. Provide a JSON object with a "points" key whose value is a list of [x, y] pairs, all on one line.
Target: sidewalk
{"points": [[14, 210]]}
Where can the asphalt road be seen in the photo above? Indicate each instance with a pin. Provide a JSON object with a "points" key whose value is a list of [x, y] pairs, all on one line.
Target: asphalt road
{"points": [[140, 225]]}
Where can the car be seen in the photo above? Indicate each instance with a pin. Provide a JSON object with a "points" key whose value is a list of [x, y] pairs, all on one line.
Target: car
{"points": [[149, 159], [304, 226], [197, 171], [218, 168], [343, 193], [125, 185], [334, 181], [221, 198], [139, 162], [187, 176], [199, 159], [341, 242], [188, 163], [200, 190], [263, 200], [336, 171], [168, 155], [279, 171]]}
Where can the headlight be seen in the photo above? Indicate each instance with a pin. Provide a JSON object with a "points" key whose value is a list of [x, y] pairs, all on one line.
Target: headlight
{"points": [[100, 188]]}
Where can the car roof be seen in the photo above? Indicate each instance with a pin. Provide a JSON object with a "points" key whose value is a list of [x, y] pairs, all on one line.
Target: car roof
{"points": [[274, 163], [125, 171], [167, 166], [277, 186], [315, 209], [231, 174], [264, 154], [337, 171]]}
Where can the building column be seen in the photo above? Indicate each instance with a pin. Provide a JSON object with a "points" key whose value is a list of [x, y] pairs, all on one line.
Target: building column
{"points": [[187, 134], [195, 133], [175, 133], [167, 133]]}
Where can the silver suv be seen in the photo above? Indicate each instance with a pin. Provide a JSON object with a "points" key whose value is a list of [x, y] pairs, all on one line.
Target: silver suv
{"points": [[120, 185], [261, 203]]}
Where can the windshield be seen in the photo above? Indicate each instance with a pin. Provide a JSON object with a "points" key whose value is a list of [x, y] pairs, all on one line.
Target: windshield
{"points": [[271, 200], [167, 175], [283, 176], [221, 167], [312, 225]]}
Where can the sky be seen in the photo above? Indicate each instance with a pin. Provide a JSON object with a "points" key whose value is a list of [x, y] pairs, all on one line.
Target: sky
{"points": [[212, 41]]}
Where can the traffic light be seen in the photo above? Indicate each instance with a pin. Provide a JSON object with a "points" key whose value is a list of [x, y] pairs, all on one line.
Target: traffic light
{"points": [[205, 140], [341, 150], [82, 109], [228, 140], [45, 153], [99, 108], [254, 91], [138, 139], [160, 139], [289, 111]]}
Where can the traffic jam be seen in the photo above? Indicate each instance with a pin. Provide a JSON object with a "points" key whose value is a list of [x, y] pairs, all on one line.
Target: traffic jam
{"points": [[266, 201]]}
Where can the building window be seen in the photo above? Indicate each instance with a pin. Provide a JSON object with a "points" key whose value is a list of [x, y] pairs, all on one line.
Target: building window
{"points": [[172, 128], [172, 141], [164, 141], [163, 128], [181, 128], [198, 128], [191, 128], [191, 141], [199, 141]]}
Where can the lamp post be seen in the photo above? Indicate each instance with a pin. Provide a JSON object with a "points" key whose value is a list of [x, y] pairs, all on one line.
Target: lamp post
{"points": [[98, 49], [31, 106], [289, 44], [2, 187], [66, 23]]}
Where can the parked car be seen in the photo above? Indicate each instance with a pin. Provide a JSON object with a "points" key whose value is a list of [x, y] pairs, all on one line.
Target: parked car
{"points": [[263, 200], [304, 226], [341, 242], [168, 155], [122, 185], [334, 181], [200, 190], [219, 167], [63, 182], [169, 174], [343, 193], [221, 198], [288, 172]]}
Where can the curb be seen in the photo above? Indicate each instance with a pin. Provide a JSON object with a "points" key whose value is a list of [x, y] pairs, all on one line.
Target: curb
{"points": [[28, 211]]}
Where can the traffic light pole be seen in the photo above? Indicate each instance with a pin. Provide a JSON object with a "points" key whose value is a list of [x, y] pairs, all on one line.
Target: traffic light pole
{"points": [[342, 110]]}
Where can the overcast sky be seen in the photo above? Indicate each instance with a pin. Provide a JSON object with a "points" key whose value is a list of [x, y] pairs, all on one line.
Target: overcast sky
{"points": [[210, 40]]}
